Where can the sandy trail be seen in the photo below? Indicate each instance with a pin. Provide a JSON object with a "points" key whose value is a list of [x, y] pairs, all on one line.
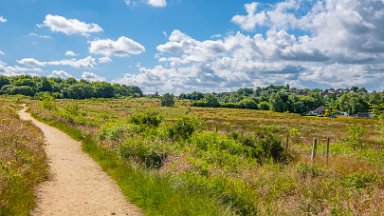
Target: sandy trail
{"points": [[78, 185]]}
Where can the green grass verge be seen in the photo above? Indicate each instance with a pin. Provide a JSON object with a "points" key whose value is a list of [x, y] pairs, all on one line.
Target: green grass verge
{"points": [[153, 193]]}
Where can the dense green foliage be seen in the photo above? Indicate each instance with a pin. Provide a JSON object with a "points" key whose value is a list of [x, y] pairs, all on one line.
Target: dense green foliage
{"points": [[167, 100], [64, 88], [286, 99]]}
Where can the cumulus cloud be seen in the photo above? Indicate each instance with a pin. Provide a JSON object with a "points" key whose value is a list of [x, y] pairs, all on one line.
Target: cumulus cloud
{"points": [[92, 77], [121, 47], [69, 26], [17, 70], [341, 44], [60, 74], [249, 21], [152, 3], [104, 60], [84, 63], [70, 53], [3, 20]]}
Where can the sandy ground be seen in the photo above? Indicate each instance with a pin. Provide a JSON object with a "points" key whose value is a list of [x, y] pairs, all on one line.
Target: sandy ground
{"points": [[78, 185]]}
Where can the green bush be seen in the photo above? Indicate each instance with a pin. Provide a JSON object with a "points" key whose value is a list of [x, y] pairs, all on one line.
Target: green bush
{"points": [[264, 105], [167, 100], [354, 136], [184, 127], [112, 131], [146, 118], [358, 181], [140, 151]]}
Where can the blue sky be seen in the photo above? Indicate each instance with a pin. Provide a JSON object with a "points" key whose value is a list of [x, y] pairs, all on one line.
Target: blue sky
{"points": [[196, 45]]}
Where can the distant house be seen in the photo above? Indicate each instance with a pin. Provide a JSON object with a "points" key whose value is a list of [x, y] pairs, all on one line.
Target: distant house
{"points": [[318, 111]]}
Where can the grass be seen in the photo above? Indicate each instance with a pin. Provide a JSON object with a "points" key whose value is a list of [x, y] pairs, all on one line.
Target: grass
{"points": [[22, 161], [155, 194], [225, 167]]}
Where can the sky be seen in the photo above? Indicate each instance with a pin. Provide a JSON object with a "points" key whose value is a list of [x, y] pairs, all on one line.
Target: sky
{"points": [[197, 45]]}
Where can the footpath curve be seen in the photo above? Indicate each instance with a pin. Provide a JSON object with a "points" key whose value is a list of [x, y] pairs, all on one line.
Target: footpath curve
{"points": [[78, 185]]}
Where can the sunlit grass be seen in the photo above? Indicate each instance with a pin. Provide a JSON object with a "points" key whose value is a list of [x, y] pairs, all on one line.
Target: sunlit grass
{"points": [[224, 174]]}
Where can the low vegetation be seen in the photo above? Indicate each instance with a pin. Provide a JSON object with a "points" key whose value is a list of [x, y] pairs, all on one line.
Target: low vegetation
{"points": [[22, 161], [187, 160]]}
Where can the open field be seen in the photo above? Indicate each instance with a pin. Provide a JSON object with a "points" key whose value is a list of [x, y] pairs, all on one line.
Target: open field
{"points": [[22, 161], [231, 165]]}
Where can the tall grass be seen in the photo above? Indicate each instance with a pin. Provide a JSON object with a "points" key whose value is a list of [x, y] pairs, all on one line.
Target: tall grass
{"points": [[22, 162], [232, 164]]}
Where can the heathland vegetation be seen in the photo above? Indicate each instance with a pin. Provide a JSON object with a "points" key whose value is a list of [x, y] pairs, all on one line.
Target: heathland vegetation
{"points": [[22, 161], [276, 98], [185, 160], [216, 153]]}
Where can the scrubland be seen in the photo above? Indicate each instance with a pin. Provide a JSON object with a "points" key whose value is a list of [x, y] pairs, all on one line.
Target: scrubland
{"points": [[214, 161]]}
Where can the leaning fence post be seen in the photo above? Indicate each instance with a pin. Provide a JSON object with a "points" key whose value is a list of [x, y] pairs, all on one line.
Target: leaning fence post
{"points": [[287, 143], [327, 151], [314, 147]]}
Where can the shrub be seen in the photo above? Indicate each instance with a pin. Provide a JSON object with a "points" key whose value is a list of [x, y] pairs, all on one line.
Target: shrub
{"points": [[184, 127], [354, 136], [358, 181], [264, 105], [112, 131], [248, 103], [146, 118], [143, 153], [381, 126], [167, 100], [72, 109], [49, 103]]}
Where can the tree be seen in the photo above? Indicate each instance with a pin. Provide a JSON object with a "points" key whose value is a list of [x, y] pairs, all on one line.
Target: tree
{"points": [[167, 100], [103, 90], [248, 103], [352, 103], [278, 102], [3, 81], [211, 100], [45, 86], [80, 91]]}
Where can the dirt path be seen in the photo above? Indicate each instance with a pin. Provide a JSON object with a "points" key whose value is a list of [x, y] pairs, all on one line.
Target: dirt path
{"points": [[78, 185]]}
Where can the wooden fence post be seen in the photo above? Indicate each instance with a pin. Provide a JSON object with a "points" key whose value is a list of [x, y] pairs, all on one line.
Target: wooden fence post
{"points": [[314, 147], [327, 151], [287, 143]]}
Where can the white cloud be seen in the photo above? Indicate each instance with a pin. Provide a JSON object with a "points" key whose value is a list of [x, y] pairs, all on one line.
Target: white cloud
{"points": [[157, 3], [70, 53], [152, 3], [2, 53], [17, 70], [90, 76], [252, 19], [3, 20], [121, 47], [32, 34], [104, 60], [69, 26], [84, 63], [60, 74]]}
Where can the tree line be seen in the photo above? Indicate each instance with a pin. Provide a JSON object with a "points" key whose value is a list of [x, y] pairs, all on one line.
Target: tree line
{"points": [[285, 99], [64, 88]]}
